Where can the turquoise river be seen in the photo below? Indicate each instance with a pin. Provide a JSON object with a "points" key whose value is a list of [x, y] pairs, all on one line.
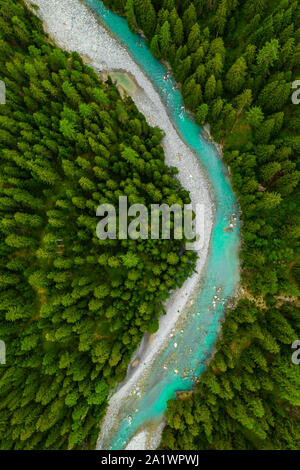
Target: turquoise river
{"points": [[176, 369]]}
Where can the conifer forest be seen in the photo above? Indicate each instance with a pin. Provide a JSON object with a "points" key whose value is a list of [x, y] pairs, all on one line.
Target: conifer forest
{"points": [[74, 308]]}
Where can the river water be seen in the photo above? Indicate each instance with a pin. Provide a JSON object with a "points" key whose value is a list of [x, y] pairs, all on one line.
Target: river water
{"points": [[184, 358]]}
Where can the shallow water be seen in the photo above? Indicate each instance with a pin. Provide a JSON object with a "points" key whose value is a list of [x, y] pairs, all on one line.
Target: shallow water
{"points": [[176, 368], [123, 80]]}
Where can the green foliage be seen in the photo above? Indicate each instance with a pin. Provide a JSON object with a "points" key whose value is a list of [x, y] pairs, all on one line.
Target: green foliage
{"points": [[73, 308]]}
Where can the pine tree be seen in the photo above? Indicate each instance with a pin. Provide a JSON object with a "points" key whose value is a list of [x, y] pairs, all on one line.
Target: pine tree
{"points": [[130, 15], [201, 114], [154, 47], [178, 32], [210, 88], [189, 18], [255, 116], [235, 77], [165, 39]]}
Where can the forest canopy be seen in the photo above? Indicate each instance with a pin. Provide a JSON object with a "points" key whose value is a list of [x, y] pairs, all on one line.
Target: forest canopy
{"points": [[73, 308]]}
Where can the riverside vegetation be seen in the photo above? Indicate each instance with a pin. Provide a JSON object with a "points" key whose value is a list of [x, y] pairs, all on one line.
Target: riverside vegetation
{"points": [[235, 62], [73, 308]]}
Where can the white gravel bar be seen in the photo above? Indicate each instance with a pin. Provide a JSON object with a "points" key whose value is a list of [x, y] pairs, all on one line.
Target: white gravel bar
{"points": [[75, 28]]}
